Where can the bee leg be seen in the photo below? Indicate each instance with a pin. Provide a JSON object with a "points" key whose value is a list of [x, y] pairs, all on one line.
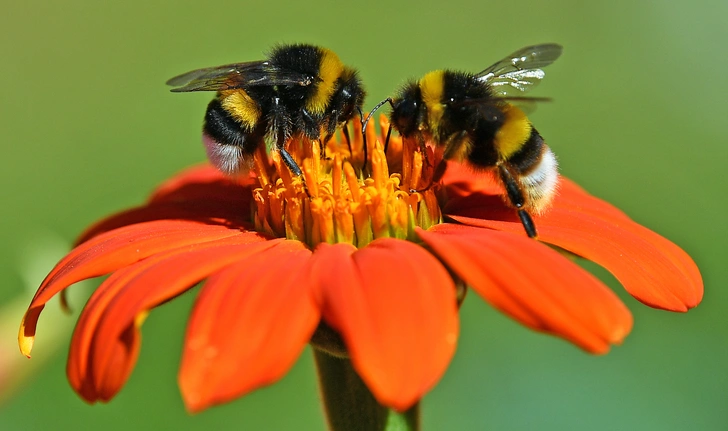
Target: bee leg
{"points": [[295, 169], [322, 146], [441, 166], [515, 196], [288, 160], [322, 153], [439, 172], [363, 136], [345, 132], [527, 223], [386, 140], [423, 150], [436, 177], [453, 145]]}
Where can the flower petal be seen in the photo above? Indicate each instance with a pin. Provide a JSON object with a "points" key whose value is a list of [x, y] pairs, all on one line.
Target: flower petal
{"points": [[533, 284], [204, 183], [105, 342], [114, 250], [249, 325], [201, 212], [200, 193], [470, 191], [652, 269], [461, 181], [395, 307]]}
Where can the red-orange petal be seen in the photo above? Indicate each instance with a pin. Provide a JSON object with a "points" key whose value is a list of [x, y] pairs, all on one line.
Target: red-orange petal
{"points": [[100, 358], [203, 212], [111, 251], [467, 190], [534, 284], [652, 269], [200, 193], [249, 325], [203, 183], [461, 180], [395, 307]]}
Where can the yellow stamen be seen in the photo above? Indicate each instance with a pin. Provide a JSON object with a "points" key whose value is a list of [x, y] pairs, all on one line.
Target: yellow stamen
{"points": [[335, 201]]}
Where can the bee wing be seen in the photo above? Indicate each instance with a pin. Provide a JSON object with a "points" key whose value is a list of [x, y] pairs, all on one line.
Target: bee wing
{"points": [[521, 71], [238, 75], [524, 103], [527, 105]]}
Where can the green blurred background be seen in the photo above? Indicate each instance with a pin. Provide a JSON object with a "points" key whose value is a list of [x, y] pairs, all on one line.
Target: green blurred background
{"points": [[88, 128]]}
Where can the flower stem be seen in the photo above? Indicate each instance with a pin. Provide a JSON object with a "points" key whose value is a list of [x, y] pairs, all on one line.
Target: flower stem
{"points": [[349, 404]]}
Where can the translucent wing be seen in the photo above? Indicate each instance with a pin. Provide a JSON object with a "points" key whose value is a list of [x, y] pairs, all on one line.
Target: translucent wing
{"points": [[238, 75], [524, 103], [520, 71]]}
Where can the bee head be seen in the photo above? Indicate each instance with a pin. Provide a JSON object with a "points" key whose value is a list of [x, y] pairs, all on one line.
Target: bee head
{"points": [[352, 95], [347, 99], [407, 110]]}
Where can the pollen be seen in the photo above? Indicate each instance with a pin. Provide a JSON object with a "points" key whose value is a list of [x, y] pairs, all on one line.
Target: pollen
{"points": [[341, 199]]}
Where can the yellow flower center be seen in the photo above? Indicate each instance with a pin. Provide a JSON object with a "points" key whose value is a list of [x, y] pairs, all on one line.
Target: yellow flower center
{"points": [[340, 201]]}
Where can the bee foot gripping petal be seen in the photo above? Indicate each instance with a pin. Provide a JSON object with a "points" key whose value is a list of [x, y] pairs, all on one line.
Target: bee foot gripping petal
{"points": [[527, 223]]}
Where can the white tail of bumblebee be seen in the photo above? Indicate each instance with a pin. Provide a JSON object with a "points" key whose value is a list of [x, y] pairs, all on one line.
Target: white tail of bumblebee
{"points": [[541, 182]]}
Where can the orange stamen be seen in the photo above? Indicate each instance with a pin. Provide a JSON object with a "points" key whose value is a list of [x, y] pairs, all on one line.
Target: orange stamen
{"points": [[335, 201]]}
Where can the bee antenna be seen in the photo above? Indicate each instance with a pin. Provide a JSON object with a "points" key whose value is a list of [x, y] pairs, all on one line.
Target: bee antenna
{"points": [[375, 109], [364, 128]]}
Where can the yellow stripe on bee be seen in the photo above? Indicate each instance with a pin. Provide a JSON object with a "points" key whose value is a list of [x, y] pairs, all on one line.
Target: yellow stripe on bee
{"points": [[240, 106], [514, 132], [432, 87], [329, 71]]}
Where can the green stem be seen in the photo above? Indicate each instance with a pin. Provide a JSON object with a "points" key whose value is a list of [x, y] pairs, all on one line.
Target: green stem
{"points": [[349, 404]]}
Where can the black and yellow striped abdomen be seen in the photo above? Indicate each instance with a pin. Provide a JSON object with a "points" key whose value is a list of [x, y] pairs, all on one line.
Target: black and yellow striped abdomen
{"points": [[536, 170], [241, 107]]}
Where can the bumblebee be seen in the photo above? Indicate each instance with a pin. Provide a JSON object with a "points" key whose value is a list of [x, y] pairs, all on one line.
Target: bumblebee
{"points": [[299, 91], [469, 116]]}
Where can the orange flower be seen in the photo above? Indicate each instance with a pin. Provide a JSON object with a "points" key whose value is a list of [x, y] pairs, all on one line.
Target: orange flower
{"points": [[382, 265]]}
